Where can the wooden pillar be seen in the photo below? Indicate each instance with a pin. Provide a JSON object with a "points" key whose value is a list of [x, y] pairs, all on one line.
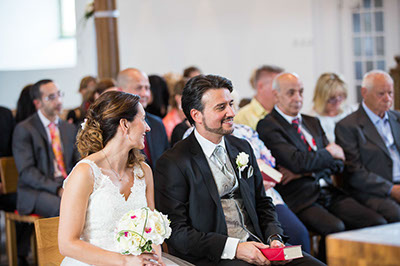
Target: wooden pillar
{"points": [[395, 73], [106, 38]]}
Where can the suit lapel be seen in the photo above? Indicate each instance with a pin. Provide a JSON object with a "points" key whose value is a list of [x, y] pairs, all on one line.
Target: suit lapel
{"points": [[289, 131], [370, 131], [40, 128], [202, 163], [243, 185], [313, 131], [37, 123], [395, 126]]}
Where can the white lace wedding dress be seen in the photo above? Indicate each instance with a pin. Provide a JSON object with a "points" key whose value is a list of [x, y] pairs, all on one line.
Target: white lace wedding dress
{"points": [[106, 206]]}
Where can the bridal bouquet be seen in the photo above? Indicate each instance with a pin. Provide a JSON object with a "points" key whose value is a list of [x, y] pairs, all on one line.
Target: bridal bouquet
{"points": [[137, 230]]}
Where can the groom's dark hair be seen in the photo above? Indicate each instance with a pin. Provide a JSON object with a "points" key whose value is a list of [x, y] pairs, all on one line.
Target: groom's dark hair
{"points": [[196, 87]]}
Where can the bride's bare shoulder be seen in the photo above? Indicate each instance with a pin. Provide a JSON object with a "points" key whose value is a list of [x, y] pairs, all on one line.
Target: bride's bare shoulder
{"points": [[147, 172]]}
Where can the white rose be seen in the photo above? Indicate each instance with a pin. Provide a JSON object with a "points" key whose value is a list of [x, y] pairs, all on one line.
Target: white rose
{"points": [[242, 160]]}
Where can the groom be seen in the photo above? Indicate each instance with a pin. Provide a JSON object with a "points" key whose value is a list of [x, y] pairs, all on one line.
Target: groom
{"points": [[219, 215]]}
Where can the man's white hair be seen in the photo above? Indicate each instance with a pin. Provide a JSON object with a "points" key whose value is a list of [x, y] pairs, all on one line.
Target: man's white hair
{"points": [[369, 78], [275, 82]]}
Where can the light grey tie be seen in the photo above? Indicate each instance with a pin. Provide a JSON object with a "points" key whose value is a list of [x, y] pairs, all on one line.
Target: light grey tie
{"points": [[220, 157]]}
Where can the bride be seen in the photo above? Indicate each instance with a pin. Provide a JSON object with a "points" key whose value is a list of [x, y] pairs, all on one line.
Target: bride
{"points": [[111, 180]]}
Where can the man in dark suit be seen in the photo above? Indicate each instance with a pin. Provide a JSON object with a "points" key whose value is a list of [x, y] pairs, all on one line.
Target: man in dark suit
{"points": [[307, 161], [44, 152], [132, 80], [217, 210], [370, 138]]}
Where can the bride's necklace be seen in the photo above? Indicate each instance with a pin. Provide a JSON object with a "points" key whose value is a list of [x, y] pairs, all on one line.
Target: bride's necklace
{"points": [[115, 173]]}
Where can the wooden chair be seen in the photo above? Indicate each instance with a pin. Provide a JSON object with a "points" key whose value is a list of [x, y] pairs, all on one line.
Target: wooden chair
{"points": [[9, 179], [47, 241]]}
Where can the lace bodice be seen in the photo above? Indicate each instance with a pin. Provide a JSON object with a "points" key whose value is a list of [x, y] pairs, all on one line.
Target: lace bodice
{"points": [[106, 206]]}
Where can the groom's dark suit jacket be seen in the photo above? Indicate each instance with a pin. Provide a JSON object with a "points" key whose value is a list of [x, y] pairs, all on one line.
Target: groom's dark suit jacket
{"points": [[34, 159], [290, 152], [368, 162], [185, 190]]}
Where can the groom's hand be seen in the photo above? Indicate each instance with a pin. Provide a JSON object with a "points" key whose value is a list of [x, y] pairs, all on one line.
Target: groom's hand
{"points": [[250, 252]]}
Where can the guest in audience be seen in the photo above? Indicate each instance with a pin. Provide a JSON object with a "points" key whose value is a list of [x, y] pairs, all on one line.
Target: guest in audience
{"points": [[307, 162], [111, 180], [329, 103], [215, 216], [175, 114], [8, 202], [134, 81], [370, 138], [291, 225], [171, 78], [86, 86], [191, 72], [264, 100], [25, 106], [244, 101], [44, 152], [179, 131], [7, 126], [159, 97], [104, 85]]}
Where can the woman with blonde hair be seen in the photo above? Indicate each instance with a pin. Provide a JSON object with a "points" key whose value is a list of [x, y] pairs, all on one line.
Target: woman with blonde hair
{"points": [[329, 102], [110, 180]]}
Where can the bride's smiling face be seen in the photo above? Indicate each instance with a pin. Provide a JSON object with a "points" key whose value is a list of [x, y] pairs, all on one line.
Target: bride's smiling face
{"points": [[138, 128]]}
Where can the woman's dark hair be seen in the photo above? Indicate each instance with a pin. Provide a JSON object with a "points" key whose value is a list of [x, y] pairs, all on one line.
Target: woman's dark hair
{"points": [[160, 95], [25, 106], [196, 87], [102, 121]]}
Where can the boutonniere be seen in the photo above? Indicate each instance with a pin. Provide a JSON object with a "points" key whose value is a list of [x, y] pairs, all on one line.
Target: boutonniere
{"points": [[241, 161]]}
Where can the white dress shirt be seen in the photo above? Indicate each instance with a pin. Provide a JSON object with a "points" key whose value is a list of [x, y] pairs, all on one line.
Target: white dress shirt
{"points": [[208, 148]]}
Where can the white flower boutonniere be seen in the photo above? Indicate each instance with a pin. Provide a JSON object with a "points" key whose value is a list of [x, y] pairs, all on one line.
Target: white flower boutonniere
{"points": [[241, 161]]}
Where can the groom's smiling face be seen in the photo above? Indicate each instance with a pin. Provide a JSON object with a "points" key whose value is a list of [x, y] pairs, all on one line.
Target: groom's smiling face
{"points": [[218, 112]]}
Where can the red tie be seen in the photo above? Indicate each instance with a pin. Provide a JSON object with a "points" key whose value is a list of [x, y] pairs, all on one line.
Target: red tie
{"points": [[295, 124], [56, 145], [147, 150]]}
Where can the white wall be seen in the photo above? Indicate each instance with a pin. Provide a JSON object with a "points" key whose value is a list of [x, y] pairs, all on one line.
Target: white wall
{"points": [[35, 17], [226, 37]]}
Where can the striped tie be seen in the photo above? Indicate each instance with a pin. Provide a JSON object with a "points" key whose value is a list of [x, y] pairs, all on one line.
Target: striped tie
{"points": [[295, 124], [56, 145]]}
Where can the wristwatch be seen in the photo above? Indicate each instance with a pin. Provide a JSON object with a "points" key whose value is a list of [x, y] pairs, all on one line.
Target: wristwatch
{"points": [[274, 237]]}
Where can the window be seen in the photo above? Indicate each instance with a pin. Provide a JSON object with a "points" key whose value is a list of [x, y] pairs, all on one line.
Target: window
{"points": [[368, 38], [67, 18]]}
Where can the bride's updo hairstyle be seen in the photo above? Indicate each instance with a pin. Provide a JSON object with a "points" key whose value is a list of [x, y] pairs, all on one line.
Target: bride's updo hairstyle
{"points": [[102, 121]]}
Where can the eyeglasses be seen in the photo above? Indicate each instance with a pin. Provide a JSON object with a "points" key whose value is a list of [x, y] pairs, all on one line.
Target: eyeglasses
{"points": [[54, 96], [335, 99]]}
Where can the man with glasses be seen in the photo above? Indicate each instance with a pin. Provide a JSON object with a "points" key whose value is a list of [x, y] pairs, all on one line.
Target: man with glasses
{"points": [[44, 151]]}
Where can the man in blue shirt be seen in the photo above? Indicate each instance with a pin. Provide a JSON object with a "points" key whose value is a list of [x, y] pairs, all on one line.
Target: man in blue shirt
{"points": [[370, 138]]}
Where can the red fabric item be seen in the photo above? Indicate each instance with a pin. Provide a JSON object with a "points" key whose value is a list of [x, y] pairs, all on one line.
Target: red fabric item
{"points": [[147, 150], [295, 124]]}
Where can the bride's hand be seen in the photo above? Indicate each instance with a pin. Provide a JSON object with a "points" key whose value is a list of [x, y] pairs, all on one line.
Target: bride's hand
{"points": [[142, 259], [158, 252]]}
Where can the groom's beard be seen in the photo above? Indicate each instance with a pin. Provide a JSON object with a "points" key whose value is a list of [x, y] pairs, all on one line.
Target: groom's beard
{"points": [[219, 130]]}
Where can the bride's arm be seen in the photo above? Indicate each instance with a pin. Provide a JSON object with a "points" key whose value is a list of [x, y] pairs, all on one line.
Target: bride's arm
{"points": [[148, 175], [72, 219]]}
